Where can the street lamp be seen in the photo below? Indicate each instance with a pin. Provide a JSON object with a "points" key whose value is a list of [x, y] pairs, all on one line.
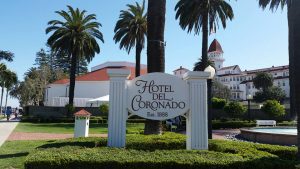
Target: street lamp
{"points": [[212, 72], [249, 98]]}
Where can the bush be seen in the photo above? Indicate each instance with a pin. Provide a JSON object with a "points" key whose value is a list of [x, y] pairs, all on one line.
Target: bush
{"points": [[218, 103], [235, 109], [273, 108], [104, 108], [159, 152]]}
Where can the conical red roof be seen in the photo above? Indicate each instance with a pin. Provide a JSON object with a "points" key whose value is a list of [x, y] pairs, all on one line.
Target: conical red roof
{"points": [[82, 113], [215, 47]]}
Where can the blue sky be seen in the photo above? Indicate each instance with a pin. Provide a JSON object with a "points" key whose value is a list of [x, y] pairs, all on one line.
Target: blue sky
{"points": [[254, 39]]}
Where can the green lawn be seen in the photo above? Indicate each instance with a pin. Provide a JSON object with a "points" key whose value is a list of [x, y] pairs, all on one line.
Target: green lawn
{"points": [[13, 153], [68, 128]]}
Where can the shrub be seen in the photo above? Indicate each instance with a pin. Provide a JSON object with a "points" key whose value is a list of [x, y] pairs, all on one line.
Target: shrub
{"points": [[104, 108], [273, 108], [235, 109], [218, 103], [159, 152]]}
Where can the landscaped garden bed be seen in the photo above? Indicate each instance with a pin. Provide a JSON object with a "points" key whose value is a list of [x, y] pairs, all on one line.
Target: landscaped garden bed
{"points": [[159, 152]]}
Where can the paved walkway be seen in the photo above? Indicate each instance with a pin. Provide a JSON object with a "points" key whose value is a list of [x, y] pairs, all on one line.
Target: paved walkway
{"points": [[6, 129], [217, 134]]}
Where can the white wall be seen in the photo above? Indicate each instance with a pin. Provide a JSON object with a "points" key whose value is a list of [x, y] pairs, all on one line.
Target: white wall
{"points": [[83, 89]]}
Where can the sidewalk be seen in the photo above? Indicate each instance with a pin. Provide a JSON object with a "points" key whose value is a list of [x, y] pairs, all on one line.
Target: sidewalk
{"points": [[6, 129]]}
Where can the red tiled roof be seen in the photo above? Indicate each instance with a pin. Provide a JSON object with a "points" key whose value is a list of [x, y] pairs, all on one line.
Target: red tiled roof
{"points": [[100, 75], [215, 47], [82, 113], [62, 81]]}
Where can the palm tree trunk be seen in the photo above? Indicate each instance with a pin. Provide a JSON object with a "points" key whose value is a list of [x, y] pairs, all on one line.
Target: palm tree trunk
{"points": [[204, 43], [2, 92], [294, 50], [6, 98], [155, 49], [138, 51], [72, 80]]}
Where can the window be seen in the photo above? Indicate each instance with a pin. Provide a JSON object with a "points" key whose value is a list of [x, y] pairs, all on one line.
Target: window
{"points": [[233, 78], [283, 83], [278, 83], [238, 87], [230, 79], [238, 95], [230, 87], [234, 87]]}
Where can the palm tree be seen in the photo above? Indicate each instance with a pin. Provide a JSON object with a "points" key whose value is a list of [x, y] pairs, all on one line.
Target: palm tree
{"points": [[10, 81], [76, 35], [155, 49], [293, 7], [205, 14], [131, 30], [6, 55], [3, 76]]}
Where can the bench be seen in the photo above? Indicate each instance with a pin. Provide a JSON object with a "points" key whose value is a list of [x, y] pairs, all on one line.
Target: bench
{"points": [[266, 123]]}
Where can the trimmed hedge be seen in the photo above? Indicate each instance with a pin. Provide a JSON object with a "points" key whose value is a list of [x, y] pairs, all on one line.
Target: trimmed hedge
{"points": [[159, 152], [232, 124]]}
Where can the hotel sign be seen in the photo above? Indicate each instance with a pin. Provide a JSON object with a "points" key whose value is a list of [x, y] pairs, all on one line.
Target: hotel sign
{"points": [[157, 96]]}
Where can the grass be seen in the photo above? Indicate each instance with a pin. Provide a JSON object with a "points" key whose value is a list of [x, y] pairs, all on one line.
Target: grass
{"points": [[13, 153], [68, 128]]}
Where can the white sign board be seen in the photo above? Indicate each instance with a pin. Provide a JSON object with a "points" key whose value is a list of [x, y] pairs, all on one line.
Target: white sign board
{"points": [[157, 96]]}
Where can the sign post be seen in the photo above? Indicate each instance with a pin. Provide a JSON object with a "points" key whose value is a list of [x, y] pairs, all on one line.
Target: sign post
{"points": [[158, 96], [196, 129], [118, 113]]}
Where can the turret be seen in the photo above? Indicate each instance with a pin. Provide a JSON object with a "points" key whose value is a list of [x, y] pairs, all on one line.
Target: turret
{"points": [[215, 54]]}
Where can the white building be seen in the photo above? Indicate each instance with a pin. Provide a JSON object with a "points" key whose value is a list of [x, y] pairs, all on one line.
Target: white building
{"points": [[92, 85], [241, 82]]}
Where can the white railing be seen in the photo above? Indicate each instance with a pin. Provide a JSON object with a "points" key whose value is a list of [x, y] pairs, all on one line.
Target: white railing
{"points": [[62, 101]]}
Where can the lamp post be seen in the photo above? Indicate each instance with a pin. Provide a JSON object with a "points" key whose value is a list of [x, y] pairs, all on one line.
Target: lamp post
{"points": [[249, 98], [212, 72]]}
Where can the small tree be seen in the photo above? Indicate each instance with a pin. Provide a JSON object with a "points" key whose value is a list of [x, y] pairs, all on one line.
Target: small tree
{"points": [[220, 91], [273, 108], [235, 109], [218, 103], [272, 93], [263, 81], [104, 108]]}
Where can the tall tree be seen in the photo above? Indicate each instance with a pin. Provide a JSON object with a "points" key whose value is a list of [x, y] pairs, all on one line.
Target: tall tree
{"points": [[293, 7], [6, 55], [131, 31], [3, 77], [196, 14], [76, 35], [42, 58], [155, 49], [10, 81]]}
